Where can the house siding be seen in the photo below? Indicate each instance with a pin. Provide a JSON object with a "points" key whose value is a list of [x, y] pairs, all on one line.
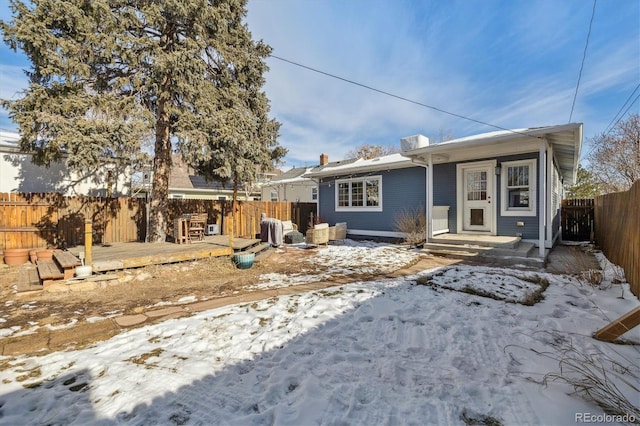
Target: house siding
{"points": [[445, 194], [444, 191], [401, 189], [507, 225]]}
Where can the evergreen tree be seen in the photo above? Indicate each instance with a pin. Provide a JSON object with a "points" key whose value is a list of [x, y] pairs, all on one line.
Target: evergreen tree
{"points": [[187, 71], [586, 185]]}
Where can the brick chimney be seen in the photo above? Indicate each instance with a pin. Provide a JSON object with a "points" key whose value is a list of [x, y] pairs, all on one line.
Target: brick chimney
{"points": [[324, 159]]}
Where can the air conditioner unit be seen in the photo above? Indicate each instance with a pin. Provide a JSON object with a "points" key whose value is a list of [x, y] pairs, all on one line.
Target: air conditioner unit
{"points": [[213, 229]]}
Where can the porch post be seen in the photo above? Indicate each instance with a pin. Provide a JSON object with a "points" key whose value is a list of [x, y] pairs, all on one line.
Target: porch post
{"points": [[429, 171], [550, 179], [542, 198]]}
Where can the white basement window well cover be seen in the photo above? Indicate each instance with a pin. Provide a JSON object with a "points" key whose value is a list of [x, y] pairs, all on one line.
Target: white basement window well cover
{"points": [[359, 194], [518, 188]]}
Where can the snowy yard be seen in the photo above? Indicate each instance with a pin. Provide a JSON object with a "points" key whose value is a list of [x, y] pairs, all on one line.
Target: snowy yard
{"points": [[415, 350]]}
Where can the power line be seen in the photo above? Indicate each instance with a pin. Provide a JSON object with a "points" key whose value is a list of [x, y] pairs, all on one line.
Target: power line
{"points": [[398, 96], [613, 125], [610, 126], [584, 55]]}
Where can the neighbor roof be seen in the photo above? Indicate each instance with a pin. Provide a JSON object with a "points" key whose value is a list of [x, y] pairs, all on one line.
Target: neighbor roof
{"points": [[386, 162], [294, 175]]}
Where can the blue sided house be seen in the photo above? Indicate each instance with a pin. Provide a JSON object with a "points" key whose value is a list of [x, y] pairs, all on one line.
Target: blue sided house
{"points": [[499, 184]]}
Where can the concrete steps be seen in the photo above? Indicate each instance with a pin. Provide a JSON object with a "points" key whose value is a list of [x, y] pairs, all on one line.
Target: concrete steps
{"points": [[504, 251]]}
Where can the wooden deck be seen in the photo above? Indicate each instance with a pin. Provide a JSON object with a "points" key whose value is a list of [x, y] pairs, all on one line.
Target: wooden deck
{"points": [[118, 256]]}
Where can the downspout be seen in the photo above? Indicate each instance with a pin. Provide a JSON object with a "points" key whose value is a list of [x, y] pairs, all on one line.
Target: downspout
{"points": [[549, 238], [542, 198], [317, 182], [428, 194]]}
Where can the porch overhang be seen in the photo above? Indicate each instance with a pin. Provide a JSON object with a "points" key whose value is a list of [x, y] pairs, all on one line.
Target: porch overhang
{"points": [[565, 141]]}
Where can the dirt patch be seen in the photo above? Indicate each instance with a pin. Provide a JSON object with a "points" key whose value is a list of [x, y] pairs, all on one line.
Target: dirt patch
{"points": [[35, 316], [140, 289]]}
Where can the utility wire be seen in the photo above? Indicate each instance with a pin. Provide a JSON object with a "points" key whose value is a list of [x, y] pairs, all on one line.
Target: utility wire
{"points": [[610, 126], [584, 55], [399, 97], [613, 125]]}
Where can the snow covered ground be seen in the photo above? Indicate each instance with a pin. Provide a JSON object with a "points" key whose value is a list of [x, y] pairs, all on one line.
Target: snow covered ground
{"points": [[415, 350]]}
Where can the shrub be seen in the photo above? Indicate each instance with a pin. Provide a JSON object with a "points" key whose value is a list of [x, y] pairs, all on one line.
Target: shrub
{"points": [[413, 224]]}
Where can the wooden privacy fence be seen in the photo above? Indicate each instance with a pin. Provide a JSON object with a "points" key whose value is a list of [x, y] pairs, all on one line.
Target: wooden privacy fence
{"points": [[577, 219], [617, 230], [52, 220]]}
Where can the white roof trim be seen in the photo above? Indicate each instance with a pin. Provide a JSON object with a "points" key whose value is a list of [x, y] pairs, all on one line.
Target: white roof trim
{"points": [[491, 137], [386, 162]]}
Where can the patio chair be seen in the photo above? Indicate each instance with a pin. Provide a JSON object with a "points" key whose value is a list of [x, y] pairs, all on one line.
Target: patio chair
{"points": [[319, 234], [197, 226]]}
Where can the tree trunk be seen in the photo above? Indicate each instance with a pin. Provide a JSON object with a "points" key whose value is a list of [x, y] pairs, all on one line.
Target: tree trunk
{"points": [[158, 216]]}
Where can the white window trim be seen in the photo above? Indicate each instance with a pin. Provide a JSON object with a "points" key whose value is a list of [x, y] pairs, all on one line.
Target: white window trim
{"points": [[505, 210], [377, 208], [176, 196], [314, 191]]}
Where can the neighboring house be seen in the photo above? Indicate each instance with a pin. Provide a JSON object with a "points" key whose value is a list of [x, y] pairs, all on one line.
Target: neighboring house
{"points": [[506, 183], [295, 185], [184, 183], [291, 185], [19, 174]]}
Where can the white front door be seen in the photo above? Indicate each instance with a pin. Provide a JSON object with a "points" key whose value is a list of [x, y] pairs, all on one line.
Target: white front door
{"points": [[477, 193]]}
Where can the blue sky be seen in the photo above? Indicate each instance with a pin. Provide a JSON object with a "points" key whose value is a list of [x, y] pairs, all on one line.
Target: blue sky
{"points": [[513, 64]]}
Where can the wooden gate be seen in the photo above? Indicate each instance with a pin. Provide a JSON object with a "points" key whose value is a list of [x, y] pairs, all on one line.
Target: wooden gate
{"points": [[577, 219]]}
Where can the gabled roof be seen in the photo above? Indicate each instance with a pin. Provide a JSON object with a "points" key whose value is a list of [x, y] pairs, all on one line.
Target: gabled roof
{"points": [[184, 177], [293, 175], [359, 165], [565, 140]]}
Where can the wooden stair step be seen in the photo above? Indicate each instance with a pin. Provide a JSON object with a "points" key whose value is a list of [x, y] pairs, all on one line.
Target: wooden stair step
{"points": [[66, 260], [49, 270], [29, 281], [257, 248]]}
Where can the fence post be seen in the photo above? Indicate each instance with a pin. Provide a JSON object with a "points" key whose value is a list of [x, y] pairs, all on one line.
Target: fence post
{"points": [[88, 242]]}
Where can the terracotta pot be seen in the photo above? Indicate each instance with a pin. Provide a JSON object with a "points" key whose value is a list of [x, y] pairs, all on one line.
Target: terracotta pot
{"points": [[16, 256], [44, 254]]}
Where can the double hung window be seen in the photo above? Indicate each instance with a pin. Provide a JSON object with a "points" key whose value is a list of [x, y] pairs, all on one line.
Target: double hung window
{"points": [[519, 188], [364, 194]]}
